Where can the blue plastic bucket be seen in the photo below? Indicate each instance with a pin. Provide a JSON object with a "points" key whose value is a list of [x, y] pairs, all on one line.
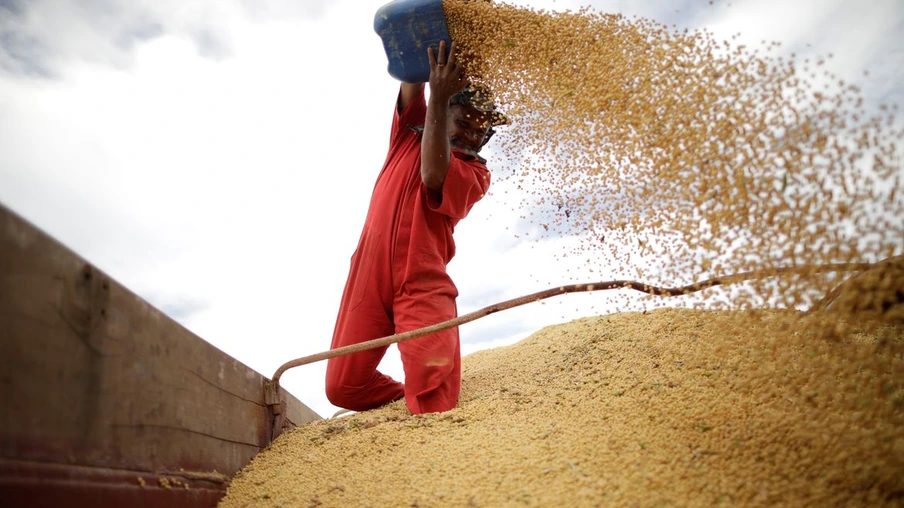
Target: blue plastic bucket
{"points": [[408, 28]]}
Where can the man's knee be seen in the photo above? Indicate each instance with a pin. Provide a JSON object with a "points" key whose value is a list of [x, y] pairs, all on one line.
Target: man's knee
{"points": [[338, 391], [381, 390], [337, 394], [348, 397]]}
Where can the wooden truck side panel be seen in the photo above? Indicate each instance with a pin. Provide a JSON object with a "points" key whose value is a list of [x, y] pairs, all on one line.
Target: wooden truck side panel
{"points": [[101, 392]]}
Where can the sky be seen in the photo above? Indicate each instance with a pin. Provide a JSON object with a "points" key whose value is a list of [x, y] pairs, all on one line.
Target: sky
{"points": [[217, 157]]}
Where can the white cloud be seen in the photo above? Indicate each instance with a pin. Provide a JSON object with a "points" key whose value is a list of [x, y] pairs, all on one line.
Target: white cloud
{"points": [[40, 37]]}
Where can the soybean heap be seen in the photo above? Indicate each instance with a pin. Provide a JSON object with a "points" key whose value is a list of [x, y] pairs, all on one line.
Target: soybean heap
{"points": [[675, 407], [676, 157]]}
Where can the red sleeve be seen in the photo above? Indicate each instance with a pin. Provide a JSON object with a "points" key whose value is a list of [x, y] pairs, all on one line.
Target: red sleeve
{"points": [[465, 184], [413, 115]]}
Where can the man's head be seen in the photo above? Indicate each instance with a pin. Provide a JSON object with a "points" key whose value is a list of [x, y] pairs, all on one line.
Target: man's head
{"points": [[473, 117]]}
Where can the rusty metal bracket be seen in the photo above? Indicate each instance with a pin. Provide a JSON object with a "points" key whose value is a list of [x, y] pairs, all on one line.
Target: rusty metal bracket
{"points": [[277, 407], [271, 396]]}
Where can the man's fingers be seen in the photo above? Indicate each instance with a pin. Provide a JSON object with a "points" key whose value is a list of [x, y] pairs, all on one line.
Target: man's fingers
{"points": [[452, 58], [441, 58], [430, 57]]}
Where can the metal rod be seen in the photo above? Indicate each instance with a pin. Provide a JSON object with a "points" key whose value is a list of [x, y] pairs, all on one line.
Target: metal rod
{"points": [[561, 290]]}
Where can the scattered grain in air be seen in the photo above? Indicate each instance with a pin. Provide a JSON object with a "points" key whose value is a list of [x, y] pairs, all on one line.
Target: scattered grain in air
{"points": [[693, 157], [670, 157]]}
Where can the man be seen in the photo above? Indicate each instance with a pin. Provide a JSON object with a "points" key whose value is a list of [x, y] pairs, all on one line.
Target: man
{"points": [[431, 178]]}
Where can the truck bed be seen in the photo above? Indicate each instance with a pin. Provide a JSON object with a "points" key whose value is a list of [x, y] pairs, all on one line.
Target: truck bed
{"points": [[105, 400]]}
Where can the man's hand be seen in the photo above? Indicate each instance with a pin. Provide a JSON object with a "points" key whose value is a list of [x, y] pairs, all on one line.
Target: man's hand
{"points": [[447, 77], [444, 73]]}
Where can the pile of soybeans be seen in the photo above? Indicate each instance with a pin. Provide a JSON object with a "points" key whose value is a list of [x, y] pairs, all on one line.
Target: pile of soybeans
{"points": [[671, 157], [667, 408]]}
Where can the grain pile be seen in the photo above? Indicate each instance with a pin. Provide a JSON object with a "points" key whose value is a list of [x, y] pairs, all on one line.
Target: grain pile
{"points": [[674, 156], [668, 408]]}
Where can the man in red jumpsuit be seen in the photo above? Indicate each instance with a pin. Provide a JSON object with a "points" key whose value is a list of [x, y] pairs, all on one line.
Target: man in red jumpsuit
{"points": [[431, 178]]}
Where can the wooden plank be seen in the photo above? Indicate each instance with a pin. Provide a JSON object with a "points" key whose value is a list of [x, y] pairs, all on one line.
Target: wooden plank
{"points": [[92, 375], [37, 485]]}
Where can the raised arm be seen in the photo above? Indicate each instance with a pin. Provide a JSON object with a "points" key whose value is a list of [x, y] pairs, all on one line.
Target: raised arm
{"points": [[446, 79], [408, 93]]}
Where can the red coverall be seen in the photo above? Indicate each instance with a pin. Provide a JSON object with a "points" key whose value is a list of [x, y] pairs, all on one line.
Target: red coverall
{"points": [[398, 280]]}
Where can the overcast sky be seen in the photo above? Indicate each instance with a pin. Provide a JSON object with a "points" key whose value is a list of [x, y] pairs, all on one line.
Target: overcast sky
{"points": [[217, 157]]}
